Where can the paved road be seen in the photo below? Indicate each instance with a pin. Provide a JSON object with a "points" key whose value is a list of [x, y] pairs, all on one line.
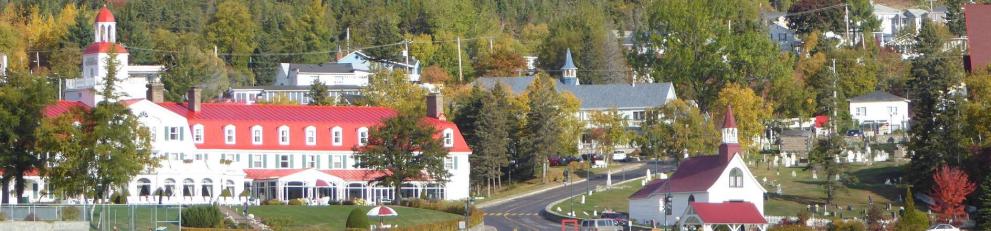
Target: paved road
{"points": [[524, 213]]}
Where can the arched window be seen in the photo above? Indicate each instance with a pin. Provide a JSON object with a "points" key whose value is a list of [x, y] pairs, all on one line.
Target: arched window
{"points": [[229, 132], [198, 133], [188, 187], [337, 136], [736, 178], [284, 135], [206, 188], [256, 134], [448, 138], [229, 187], [144, 187], [311, 135], [362, 136], [169, 187]]}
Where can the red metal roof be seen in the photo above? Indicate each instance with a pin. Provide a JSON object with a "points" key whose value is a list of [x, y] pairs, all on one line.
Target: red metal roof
{"points": [[648, 189], [356, 174], [32, 172], [695, 174], [729, 121], [978, 18], [821, 120], [215, 116], [104, 47], [56, 109], [261, 174], [728, 213], [104, 15]]}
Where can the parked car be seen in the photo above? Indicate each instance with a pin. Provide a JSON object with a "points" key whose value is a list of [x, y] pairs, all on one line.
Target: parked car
{"points": [[621, 218], [560, 160], [588, 157], [854, 133], [942, 227], [618, 156], [601, 225]]}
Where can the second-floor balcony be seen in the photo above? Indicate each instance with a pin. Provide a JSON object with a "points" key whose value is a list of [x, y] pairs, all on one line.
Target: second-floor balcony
{"points": [[79, 83]]}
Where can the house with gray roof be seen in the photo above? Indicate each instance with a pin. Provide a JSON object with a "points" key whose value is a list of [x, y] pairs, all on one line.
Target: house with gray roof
{"points": [[880, 112], [631, 100]]}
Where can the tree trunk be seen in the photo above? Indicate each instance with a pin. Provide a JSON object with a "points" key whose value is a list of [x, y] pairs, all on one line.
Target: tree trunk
{"points": [[399, 194], [543, 171]]}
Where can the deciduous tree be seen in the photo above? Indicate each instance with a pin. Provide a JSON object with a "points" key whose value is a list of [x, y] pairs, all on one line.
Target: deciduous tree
{"points": [[392, 89], [23, 98], [751, 111], [404, 147], [951, 187], [319, 94], [983, 216]]}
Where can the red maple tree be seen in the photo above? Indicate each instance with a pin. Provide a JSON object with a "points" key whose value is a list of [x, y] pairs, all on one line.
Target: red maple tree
{"points": [[951, 189]]}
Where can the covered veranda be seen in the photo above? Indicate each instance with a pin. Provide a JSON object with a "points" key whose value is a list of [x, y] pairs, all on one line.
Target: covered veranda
{"points": [[735, 216]]}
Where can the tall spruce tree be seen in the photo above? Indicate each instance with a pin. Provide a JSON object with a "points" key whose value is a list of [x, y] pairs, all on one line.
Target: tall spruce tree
{"points": [[934, 134], [542, 122], [955, 20], [825, 157], [493, 127], [983, 215]]}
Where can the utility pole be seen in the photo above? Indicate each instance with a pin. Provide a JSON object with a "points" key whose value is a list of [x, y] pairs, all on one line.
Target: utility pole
{"points": [[846, 20], [406, 54], [460, 73], [37, 61], [833, 120], [347, 38], [490, 44]]}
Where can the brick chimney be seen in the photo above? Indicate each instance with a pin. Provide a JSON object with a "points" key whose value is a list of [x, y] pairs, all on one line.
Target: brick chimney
{"points": [[155, 93], [193, 99], [435, 106]]}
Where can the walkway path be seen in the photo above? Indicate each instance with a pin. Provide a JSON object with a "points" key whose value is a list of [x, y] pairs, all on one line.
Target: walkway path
{"points": [[236, 215]]}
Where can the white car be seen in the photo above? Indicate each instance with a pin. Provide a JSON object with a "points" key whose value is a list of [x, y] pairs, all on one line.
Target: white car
{"points": [[942, 227], [618, 156]]}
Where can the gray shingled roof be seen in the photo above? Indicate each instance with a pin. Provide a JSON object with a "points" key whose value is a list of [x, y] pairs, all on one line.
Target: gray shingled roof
{"points": [[877, 96], [323, 68], [601, 96]]}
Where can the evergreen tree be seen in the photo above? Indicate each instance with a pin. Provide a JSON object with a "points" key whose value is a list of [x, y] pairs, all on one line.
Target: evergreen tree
{"points": [[319, 94], [912, 219], [824, 157], [935, 134], [493, 127], [983, 215], [80, 34], [542, 121], [955, 20], [404, 146]]}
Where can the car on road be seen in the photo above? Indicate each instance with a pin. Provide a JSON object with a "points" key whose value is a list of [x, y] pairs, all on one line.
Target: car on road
{"points": [[621, 218], [601, 225], [854, 133], [942, 227], [619, 156]]}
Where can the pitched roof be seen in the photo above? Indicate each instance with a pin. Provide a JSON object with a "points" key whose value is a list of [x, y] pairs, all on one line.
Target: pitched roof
{"points": [[260, 174], [648, 189], [323, 68], [729, 121], [728, 213], [568, 64], [878, 8], [878, 96], [356, 174], [104, 47], [595, 96], [694, 174], [282, 113], [295, 87], [56, 109], [104, 15], [978, 18]]}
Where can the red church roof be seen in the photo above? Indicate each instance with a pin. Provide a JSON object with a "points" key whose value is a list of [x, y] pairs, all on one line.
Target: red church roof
{"points": [[648, 189], [728, 213], [215, 116], [104, 15], [60, 107], [694, 174], [104, 47], [978, 17]]}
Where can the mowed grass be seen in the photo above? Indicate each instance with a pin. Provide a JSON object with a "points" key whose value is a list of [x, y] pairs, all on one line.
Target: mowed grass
{"points": [[800, 191], [334, 217], [555, 177], [614, 198]]}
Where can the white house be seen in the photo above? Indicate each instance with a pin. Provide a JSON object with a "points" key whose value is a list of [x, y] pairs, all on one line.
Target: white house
{"points": [[331, 74], [777, 27], [261, 151], [705, 192], [880, 112]]}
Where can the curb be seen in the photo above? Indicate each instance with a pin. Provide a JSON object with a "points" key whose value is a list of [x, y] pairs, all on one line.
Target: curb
{"points": [[504, 200], [549, 214]]}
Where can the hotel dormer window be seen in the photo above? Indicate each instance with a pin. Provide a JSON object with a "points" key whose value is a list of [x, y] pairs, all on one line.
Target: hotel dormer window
{"points": [[362, 136], [284, 135], [448, 138], [336, 134], [256, 134], [229, 132], [311, 135], [198, 133]]}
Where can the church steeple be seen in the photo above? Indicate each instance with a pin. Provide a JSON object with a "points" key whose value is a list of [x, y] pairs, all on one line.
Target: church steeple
{"points": [[730, 145], [569, 73]]}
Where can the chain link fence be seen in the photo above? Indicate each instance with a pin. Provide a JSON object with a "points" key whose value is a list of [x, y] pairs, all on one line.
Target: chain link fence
{"points": [[100, 216]]}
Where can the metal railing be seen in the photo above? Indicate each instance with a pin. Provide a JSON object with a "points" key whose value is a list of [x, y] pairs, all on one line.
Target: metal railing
{"points": [[100, 216]]}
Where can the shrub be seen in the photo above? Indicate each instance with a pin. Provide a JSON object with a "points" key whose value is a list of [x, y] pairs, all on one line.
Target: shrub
{"points": [[839, 225], [357, 219], [803, 217], [245, 193], [297, 201], [70, 214], [793, 227], [278, 223], [202, 217], [3, 216], [226, 193], [272, 202], [30, 217], [119, 197], [347, 202]]}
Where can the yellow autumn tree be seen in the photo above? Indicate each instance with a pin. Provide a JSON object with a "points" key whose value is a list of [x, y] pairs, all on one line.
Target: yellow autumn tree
{"points": [[749, 109]]}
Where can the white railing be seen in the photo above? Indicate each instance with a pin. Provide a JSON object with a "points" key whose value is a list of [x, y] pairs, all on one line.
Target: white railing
{"points": [[79, 83]]}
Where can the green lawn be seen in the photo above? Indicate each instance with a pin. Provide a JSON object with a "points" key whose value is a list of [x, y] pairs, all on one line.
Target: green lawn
{"points": [[555, 177], [802, 190], [614, 198], [144, 217], [333, 217]]}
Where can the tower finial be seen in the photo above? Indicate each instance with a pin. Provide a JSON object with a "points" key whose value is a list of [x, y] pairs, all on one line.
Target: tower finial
{"points": [[729, 121]]}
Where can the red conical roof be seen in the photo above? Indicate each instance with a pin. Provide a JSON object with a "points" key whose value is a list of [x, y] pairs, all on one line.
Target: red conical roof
{"points": [[729, 122], [104, 15]]}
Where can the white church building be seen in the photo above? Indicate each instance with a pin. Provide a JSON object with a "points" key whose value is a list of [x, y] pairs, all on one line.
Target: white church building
{"points": [[230, 153], [705, 192]]}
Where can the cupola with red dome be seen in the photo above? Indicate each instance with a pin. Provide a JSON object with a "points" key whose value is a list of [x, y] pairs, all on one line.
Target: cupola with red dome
{"points": [[104, 34]]}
